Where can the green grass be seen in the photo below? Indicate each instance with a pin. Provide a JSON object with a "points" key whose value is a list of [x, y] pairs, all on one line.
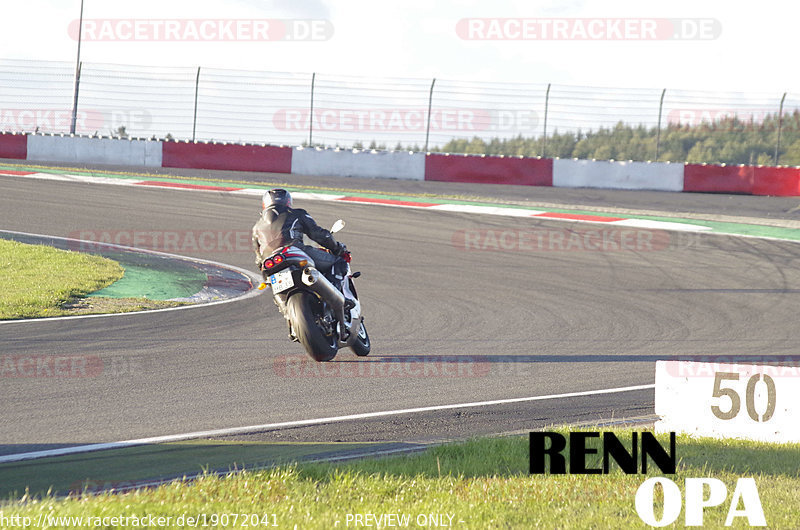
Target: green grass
{"points": [[127, 466], [481, 483], [41, 281], [38, 280]]}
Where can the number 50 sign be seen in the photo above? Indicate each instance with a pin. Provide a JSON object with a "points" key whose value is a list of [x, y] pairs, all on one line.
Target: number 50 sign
{"points": [[758, 402]]}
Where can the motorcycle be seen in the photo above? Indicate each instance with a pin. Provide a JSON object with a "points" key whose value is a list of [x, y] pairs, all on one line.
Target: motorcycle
{"points": [[321, 317]]}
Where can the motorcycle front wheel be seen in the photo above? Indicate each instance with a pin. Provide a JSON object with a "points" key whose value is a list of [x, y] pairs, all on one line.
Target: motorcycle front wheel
{"points": [[361, 346]]}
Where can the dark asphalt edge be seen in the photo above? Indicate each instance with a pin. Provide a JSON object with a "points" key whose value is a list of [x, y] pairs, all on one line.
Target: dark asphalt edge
{"points": [[337, 420]]}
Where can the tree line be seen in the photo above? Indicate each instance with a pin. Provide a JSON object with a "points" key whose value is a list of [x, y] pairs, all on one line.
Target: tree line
{"points": [[729, 140]]}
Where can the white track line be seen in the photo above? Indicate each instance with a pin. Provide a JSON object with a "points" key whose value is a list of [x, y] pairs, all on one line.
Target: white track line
{"points": [[662, 225], [299, 423], [252, 292], [486, 210]]}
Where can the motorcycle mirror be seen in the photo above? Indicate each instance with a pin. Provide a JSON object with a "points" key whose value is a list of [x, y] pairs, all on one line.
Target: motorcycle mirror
{"points": [[337, 226]]}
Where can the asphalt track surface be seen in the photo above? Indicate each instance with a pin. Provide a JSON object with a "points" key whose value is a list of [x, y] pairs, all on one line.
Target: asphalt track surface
{"points": [[483, 325]]}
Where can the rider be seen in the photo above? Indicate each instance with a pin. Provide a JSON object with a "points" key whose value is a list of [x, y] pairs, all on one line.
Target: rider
{"points": [[281, 225]]}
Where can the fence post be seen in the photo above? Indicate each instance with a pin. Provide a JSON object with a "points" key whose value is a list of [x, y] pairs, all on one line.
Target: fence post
{"points": [[196, 92], [78, 65], [74, 124], [311, 112], [658, 133], [430, 103], [546, 109], [780, 126]]}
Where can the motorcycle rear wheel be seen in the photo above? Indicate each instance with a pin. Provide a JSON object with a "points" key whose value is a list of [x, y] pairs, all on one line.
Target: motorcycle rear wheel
{"points": [[308, 329]]}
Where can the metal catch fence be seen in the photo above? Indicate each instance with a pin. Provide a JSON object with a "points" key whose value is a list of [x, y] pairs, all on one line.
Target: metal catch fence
{"points": [[539, 119]]}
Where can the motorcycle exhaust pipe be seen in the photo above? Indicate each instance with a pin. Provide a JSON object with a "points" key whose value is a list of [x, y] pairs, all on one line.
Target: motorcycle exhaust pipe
{"points": [[320, 285]]}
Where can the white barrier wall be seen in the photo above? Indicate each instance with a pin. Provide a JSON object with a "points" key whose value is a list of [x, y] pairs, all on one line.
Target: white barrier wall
{"points": [[617, 175], [94, 150], [566, 173], [346, 163]]}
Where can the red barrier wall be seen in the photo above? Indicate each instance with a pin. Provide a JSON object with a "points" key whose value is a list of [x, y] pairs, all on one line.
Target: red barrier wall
{"points": [[14, 146], [780, 181], [228, 157], [489, 170], [718, 179]]}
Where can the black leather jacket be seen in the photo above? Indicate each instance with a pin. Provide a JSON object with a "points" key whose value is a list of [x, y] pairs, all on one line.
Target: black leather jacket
{"points": [[280, 226]]}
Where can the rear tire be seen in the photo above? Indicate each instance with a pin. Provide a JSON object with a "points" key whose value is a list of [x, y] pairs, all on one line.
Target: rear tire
{"points": [[362, 345], [305, 323]]}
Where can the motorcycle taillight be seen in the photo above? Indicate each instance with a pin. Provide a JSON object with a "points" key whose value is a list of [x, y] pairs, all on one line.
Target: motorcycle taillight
{"points": [[278, 259], [268, 264]]}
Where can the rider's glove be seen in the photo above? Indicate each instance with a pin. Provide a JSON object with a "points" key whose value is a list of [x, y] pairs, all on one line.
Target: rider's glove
{"points": [[340, 249]]}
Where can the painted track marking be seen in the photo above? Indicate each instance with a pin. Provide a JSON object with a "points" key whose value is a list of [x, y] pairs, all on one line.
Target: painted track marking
{"points": [[300, 423], [355, 199]]}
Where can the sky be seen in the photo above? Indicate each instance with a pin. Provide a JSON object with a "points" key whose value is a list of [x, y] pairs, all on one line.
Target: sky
{"points": [[751, 49], [492, 60]]}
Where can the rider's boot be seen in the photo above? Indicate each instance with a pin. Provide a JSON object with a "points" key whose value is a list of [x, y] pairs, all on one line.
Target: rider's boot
{"points": [[338, 273]]}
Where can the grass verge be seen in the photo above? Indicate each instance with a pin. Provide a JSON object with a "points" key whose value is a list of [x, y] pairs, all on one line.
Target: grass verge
{"points": [[38, 280], [481, 483], [127, 467], [41, 281]]}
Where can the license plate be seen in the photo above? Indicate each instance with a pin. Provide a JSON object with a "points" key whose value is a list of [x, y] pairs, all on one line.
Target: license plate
{"points": [[281, 281]]}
